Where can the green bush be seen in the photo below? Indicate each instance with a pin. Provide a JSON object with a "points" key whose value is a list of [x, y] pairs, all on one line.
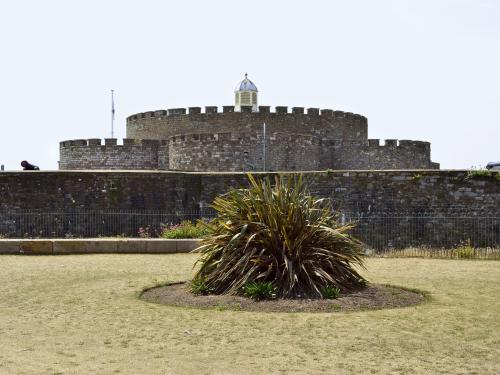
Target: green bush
{"points": [[199, 286], [330, 292], [278, 233], [465, 252], [480, 173], [186, 229], [260, 290]]}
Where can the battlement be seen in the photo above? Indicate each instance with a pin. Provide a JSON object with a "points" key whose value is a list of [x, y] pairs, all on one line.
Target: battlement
{"points": [[378, 143], [112, 142], [130, 154], [214, 110], [397, 143]]}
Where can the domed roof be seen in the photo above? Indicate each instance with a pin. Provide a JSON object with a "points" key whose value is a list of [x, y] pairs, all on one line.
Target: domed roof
{"points": [[246, 85]]}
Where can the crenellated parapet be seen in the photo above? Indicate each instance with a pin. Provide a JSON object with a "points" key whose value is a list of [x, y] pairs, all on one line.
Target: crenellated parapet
{"points": [[95, 153], [324, 123], [211, 110], [377, 154], [112, 142]]}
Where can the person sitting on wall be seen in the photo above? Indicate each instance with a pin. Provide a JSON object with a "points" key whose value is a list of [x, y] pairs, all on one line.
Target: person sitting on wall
{"points": [[29, 167]]}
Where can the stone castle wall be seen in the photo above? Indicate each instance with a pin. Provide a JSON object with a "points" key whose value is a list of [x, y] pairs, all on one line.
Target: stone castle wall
{"points": [[221, 152], [132, 154], [244, 152], [212, 141], [370, 154], [326, 123]]}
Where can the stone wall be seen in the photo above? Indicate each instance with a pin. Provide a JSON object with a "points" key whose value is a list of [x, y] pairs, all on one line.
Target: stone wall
{"points": [[326, 123], [371, 155], [366, 191], [221, 152], [132, 154], [386, 205], [244, 152]]}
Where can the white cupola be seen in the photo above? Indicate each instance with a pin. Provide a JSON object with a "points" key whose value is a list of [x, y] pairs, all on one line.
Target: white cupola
{"points": [[245, 95]]}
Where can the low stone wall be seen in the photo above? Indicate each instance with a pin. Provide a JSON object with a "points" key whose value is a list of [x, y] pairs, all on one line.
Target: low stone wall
{"points": [[96, 246], [62, 201], [365, 191]]}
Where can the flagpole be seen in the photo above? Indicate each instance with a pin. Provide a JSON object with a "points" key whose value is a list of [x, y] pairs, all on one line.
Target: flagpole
{"points": [[264, 147], [112, 114]]}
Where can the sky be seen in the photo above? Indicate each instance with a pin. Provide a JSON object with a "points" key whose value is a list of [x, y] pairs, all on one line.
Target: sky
{"points": [[417, 69]]}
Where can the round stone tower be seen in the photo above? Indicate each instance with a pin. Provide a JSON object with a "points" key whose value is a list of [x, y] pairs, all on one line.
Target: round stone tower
{"points": [[245, 95]]}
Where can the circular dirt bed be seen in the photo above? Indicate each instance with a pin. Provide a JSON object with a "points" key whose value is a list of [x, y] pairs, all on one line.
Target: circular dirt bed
{"points": [[374, 296]]}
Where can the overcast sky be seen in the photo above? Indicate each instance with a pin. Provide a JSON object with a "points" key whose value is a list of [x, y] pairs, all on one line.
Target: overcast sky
{"points": [[417, 69]]}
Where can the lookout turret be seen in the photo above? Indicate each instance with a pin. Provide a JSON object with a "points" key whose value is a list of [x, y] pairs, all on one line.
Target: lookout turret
{"points": [[245, 95]]}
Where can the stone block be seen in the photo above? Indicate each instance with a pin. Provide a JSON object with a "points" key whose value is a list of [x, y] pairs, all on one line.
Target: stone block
{"points": [[161, 246], [187, 245], [82, 246], [10, 246], [36, 247], [131, 246], [68, 247]]}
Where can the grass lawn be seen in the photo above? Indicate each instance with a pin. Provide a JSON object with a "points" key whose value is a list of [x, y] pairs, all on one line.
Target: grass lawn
{"points": [[80, 314]]}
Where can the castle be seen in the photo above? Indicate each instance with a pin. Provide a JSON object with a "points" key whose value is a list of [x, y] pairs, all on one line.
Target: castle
{"points": [[245, 137]]}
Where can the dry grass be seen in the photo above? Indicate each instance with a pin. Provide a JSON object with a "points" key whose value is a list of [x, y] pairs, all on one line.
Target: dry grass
{"points": [[80, 314], [460, 252]]}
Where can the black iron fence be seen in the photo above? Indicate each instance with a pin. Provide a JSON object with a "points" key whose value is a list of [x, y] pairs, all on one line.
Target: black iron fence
{"points": [[380, 231], [92, 223], [383, 231]]}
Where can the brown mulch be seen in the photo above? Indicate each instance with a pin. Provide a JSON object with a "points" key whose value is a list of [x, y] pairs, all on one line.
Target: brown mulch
{"points": [[374, 296]]}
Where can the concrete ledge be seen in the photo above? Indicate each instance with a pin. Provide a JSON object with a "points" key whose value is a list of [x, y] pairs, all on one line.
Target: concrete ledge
{"points": [[36, 247], [96, 246]]}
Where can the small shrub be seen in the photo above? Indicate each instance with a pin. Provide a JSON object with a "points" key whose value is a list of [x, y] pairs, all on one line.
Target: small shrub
{"points": [[465, 252], [186, 229], [260, 290], [416, 177], [144, 232], [330, 292], [199, 286]]}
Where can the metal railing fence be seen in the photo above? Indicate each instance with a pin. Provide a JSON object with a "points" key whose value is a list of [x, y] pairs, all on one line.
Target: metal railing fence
{"points": [[379, 231], [383, 231], [92, 223]]}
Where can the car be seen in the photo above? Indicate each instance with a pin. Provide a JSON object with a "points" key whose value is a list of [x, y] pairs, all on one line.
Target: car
{"points": [[493, 166]]}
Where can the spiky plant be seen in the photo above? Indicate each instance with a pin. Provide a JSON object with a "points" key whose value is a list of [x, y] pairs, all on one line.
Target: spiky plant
{"points": [[278, 233]]}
